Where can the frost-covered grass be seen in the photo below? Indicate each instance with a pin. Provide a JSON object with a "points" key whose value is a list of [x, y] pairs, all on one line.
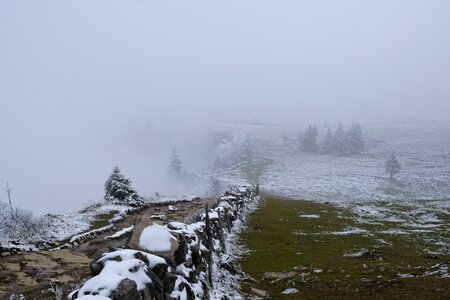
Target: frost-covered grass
{"points": [[422, 148], [347, 254], [52, 228]]}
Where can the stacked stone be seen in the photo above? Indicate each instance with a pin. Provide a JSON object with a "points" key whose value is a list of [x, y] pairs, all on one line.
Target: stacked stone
{"points": [[182, 271]]}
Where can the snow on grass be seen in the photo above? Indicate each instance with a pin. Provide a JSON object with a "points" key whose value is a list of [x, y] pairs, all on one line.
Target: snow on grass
{"points": [[347, 231], [289, 291], [417, 199], [393, 232], [423, 153], [357, 254], [422, 149], [156, 238], [310, 216]]}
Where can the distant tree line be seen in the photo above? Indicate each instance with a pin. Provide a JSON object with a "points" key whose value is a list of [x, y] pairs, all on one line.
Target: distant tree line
{"points": [[338, 142]]}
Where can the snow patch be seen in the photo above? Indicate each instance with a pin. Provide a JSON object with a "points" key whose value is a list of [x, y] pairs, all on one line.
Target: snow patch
{"points": [[289, 291], [310, 216]]}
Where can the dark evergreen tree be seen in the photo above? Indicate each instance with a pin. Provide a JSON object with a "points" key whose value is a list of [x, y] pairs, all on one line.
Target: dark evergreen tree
{"points": [[246, 151], [339, 140], [118, 188], [354, 141], [300, 138], [392, 165], [310, 138], [175, 165], [327, 143], [215, 188]]}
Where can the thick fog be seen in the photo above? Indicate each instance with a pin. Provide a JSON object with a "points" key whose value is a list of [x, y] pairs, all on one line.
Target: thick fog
{"points": [[86, 85]]}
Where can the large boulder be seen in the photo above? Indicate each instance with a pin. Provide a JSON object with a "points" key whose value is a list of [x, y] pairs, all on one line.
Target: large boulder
{"points": [[139, 226], [149, 236]]}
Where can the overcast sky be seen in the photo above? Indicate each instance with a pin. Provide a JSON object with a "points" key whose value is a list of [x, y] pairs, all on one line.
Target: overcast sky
{"points": [[71, 72]]}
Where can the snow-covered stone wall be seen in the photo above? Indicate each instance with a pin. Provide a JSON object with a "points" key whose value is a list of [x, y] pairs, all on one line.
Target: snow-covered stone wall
{"points": [[170, 261]]}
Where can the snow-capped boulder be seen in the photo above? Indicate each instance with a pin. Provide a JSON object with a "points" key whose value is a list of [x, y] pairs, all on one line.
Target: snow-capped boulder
{"points": [[158, 240], [150, 260], [110, 285], [129, 264]]}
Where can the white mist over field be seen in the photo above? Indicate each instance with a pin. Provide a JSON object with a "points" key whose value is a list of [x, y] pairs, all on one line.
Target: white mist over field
{"points": [[85, 86]]}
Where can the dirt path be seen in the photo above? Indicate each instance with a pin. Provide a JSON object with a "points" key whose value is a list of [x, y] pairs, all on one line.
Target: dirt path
{"points": [[35, 274]]}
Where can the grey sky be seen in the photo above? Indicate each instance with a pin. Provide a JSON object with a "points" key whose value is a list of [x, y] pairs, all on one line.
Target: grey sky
{"points": [[72, 72]]}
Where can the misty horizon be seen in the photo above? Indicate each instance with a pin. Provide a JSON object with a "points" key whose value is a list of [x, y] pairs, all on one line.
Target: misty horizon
{"points": [[85, 86]]}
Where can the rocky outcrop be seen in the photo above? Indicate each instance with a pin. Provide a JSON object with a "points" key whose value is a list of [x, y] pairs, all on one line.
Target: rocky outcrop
{"points": [[171, 261]]}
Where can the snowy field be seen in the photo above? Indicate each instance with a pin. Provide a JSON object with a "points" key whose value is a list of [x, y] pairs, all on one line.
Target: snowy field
{"points": [[423, 149], [416, 203]]}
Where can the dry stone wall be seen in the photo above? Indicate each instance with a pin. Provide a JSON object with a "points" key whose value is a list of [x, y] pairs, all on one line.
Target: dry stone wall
{"points": [[172, 261]]}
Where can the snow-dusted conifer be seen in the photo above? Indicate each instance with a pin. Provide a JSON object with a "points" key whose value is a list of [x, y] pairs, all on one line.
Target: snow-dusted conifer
{"points": [[392, 165], [339, 140], [215, 188], [309, 140], [118, 188], [245, 151], [300, 138], [327, 143], [354, 141], [175, 165]]}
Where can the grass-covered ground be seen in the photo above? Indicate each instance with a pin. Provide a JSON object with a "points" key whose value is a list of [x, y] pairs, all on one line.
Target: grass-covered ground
{"points": [[329, 252]]}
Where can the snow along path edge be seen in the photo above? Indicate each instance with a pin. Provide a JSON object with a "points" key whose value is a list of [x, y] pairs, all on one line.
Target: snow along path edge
{"points": [[227, 274]]}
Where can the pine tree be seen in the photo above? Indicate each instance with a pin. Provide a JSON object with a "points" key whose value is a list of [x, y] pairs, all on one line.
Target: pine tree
{"points": [[309, 140], [118, 188], [246, 152], [392, 165], [215, 188], [354, 141], [339, 140], [175, 165], [300, 138], [327, 143]]}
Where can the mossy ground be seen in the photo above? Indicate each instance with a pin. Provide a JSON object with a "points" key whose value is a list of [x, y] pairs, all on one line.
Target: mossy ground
{"points": [[279, 240], [103, 220]]}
